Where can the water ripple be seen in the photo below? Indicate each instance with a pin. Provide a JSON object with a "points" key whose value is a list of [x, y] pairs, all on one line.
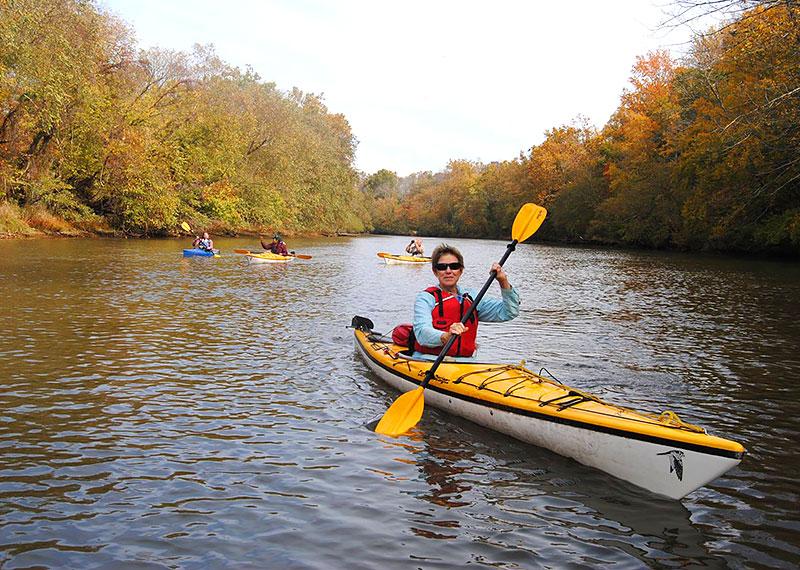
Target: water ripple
{"points": [[162, 412]]}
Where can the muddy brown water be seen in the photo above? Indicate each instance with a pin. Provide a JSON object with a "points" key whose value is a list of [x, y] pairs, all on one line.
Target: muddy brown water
{"points": [[163, 412]]}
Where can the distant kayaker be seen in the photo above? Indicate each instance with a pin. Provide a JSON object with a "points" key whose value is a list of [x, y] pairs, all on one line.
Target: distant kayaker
{"points": [[205, 242], [277, 246], [438, 310], [415, 247]]}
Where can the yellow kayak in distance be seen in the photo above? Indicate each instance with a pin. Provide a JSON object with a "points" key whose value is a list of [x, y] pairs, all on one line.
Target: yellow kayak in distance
{"points": [[657, 452], [269, 257], [392, 259]]}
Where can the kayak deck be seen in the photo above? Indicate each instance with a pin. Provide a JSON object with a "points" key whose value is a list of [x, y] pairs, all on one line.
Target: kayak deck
{"points": [[197, 252], [659, 452], [269, 257]]}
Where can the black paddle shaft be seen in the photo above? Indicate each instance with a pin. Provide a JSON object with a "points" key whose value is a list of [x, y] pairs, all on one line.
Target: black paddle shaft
{"points": [[511, 247]]}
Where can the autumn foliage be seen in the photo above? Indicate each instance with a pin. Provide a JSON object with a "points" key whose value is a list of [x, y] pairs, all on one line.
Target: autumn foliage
{"points": [[91, 128], [700, 154]]}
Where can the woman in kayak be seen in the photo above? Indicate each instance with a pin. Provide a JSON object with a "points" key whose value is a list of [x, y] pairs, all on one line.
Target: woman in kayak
{"points": [[438, 310], [415, 248], [277, 246], [204, 243]]}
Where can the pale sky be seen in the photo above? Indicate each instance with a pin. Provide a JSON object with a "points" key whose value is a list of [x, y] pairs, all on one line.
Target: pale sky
{"points": [[426, 81]]}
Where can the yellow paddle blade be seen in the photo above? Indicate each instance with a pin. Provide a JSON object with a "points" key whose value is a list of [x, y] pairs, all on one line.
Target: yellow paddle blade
{"points": [[403, 414], [186, 227], [528, 220]]}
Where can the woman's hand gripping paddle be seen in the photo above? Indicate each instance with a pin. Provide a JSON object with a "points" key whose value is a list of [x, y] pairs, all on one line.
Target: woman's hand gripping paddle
{"points": [[407, 409]]}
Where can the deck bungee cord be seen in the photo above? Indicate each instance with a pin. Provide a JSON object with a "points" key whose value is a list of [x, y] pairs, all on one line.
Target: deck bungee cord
{"points": [[526, 377]]}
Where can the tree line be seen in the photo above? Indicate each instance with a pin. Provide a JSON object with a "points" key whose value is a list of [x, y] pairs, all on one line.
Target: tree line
{"points": [[701, 154], [97, 135]]}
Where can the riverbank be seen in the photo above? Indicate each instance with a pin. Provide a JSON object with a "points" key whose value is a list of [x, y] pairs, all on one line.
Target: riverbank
{"points": [[72, 232], [16, 222], [33, 222]]}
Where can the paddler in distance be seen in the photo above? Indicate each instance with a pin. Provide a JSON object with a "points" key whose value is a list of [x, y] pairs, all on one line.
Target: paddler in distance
{"points": [[204, 243], [278, 247], [415, 248]]}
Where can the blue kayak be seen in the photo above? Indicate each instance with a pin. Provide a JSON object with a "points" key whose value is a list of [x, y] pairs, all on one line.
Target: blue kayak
{"points": [[197, 252]]}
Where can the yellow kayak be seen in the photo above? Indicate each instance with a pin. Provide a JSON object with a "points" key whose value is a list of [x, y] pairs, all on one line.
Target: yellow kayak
{"points": [[392, 259], [268, 257], [660, 453]]}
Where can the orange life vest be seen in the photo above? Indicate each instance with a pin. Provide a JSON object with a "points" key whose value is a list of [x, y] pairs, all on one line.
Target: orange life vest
{"points": [[449, 310]]}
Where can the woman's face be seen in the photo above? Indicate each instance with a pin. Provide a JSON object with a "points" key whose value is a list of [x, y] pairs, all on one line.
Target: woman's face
{"points": [[448, 277]]}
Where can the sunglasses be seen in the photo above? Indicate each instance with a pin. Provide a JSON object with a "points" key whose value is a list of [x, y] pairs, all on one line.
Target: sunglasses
{"points": [[455, 266]]}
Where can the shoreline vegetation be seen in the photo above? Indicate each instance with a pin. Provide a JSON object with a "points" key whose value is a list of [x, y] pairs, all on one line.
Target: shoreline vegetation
{"points": [[99, 137], [38, 223]]}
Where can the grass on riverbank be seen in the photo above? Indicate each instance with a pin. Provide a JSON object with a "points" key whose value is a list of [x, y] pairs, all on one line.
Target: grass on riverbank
{"points": [[38, 221], [12, 223]]}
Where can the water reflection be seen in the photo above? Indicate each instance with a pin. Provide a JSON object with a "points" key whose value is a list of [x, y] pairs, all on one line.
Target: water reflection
{"points": [[516, 501], [442, 468]]}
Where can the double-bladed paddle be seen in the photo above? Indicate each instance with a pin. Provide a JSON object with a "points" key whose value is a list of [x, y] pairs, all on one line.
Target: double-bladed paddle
{"points": [[406, 411], [249, 252], [384, 254]]}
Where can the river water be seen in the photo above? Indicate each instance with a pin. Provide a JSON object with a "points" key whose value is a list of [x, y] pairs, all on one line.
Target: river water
{"points": [[163, 412]]}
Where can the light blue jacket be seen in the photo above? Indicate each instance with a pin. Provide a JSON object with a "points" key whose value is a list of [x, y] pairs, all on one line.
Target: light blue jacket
{"points": [[489, 310]]}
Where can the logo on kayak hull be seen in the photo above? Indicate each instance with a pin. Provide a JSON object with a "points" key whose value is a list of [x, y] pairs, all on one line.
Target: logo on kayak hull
{"points": [[675, 462]]}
